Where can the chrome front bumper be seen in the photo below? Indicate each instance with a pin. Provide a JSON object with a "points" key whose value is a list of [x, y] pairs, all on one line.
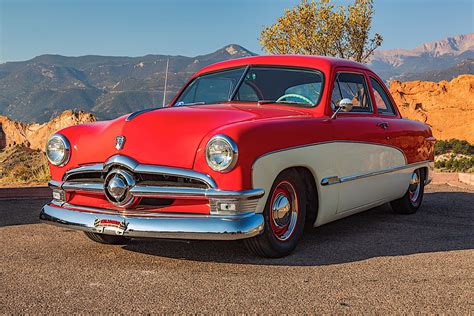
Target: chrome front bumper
{"points": [[231, 213], [155, 225]]}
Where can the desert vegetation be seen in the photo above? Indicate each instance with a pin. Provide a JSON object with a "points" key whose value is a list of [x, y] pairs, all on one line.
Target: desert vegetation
{"points": [[454, 155], [20, 165]]}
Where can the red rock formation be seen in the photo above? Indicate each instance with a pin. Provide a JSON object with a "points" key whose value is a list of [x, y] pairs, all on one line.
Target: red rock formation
{"points": [[448, 107], [35, 135]]}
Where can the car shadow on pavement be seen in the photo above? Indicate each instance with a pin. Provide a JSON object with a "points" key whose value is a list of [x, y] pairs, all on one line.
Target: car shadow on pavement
{"points": [[444, 223], [20, 211]]}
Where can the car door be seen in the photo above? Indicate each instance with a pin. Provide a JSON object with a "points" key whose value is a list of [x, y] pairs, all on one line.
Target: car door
{"points": [[361, 141], [395, 129]]}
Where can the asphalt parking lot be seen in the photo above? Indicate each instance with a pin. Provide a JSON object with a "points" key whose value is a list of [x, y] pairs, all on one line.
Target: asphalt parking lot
{"points": [[373, 262]]}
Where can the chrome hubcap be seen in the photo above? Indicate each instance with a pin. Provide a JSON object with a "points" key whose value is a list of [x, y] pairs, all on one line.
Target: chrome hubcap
{"points": [[415, 186], [284, 211]]}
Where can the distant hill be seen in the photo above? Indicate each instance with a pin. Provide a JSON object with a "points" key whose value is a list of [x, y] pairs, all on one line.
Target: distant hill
{"points": [[38, 89], [463, 67], [430, 61]]}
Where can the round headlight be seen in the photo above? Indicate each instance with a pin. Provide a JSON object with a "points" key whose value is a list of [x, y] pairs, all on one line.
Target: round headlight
{"points": [[57, 150], [221, 153]]}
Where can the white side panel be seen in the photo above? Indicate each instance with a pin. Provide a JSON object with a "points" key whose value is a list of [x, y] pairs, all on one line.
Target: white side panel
{"points": [[360, 159], [339, 159], [319, 159]]}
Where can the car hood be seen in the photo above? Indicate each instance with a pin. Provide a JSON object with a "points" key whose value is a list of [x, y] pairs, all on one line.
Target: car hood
{"points": [[168, 136]]}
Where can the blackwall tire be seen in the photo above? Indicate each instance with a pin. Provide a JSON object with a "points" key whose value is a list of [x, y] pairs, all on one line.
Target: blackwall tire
{"points": [[413, 198], [107, 239], [284, 217]]}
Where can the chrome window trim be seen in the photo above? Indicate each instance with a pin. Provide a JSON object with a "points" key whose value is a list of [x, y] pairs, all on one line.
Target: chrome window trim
{"points": [[369, 98], [336, 180], [392, 107]]}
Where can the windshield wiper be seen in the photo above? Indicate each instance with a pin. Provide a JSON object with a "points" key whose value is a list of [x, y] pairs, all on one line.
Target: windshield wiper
{"points": [[193, 103], [266, 101], [283, 102]]}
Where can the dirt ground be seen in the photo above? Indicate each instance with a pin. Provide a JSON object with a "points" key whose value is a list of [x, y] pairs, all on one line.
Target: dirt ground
{"points": [[373, 262]]}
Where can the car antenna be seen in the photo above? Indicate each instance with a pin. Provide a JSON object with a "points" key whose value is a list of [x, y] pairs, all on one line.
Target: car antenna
{"points": [[166, 82]]}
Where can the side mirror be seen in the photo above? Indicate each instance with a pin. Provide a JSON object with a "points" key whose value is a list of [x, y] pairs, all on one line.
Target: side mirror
{"points": [[345, 105]]}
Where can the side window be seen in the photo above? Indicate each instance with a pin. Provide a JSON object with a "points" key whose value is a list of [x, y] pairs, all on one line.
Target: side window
{"points": [[351, 86], [382, 101]]}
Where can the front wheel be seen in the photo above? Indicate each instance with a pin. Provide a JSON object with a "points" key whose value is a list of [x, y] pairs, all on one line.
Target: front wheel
{"points": [[107, 239], [411, 201], [284, 217]]}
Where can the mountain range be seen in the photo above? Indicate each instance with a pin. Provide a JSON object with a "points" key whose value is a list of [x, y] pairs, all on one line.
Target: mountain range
{"points": [[440, 60], [40, 88]]}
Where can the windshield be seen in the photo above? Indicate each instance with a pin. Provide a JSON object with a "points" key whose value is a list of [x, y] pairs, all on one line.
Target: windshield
{"points": [[255, 84]]}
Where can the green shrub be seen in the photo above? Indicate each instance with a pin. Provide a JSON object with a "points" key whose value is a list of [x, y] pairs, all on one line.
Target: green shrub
{"points": [[454, 146], [463, 164]]}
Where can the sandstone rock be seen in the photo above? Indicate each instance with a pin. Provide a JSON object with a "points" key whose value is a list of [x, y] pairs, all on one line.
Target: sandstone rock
{"points": [[35, 135], [448, 107]]}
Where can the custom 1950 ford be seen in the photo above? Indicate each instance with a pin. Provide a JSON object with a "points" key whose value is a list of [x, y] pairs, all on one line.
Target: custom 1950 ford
{"points": [[253, 148]]}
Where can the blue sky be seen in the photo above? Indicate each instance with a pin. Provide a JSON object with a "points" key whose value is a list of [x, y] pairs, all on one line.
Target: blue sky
{"points": [[138, 27]]}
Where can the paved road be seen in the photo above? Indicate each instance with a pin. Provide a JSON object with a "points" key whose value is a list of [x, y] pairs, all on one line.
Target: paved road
{"points": [[371, 262]]}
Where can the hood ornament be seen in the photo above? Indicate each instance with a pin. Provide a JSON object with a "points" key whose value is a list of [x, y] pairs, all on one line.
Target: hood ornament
{"points": [[119, 142]]}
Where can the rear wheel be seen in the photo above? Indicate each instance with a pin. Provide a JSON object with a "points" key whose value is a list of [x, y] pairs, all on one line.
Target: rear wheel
{"points": [[411, 201], [284, 217], [107, 239]]}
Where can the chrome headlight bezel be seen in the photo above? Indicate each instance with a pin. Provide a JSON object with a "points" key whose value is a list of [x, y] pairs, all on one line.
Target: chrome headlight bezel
{"points": [[231, 148], [65, 148]]}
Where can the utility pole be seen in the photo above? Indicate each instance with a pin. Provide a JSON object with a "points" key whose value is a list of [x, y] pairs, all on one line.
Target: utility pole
{"points": [[166, 82]]}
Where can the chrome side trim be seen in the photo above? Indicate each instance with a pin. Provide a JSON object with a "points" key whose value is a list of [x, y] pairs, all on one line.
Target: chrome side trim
{"points": [[330, 180], [335, 179], [176, 226]]}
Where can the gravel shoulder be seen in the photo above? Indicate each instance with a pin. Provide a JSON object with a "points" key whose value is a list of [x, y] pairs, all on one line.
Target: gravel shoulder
{"points": [[373, 262]]}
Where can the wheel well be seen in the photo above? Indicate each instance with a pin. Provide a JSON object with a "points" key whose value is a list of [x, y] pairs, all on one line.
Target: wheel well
{"points": [[311, 194], [424, 170]]}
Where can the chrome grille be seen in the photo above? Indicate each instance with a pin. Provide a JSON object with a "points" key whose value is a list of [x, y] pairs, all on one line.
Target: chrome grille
{"points": [[154, 186], [145, 175]]}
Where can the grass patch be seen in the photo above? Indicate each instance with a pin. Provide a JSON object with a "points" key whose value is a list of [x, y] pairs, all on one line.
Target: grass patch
{"points": [[20, 165]]}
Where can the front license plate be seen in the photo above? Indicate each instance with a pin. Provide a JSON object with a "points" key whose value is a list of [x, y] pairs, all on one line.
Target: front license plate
{"points": [[110, 226]]}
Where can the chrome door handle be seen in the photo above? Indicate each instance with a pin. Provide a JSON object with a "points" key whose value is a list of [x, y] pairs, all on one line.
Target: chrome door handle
{"points": [[383, 125]]}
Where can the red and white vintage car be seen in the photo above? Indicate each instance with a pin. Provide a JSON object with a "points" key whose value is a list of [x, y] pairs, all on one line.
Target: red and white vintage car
{"points": [[252, 148]]}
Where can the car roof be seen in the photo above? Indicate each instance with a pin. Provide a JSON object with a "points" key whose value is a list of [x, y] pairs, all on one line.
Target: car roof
{"points": [[322, 63]]}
